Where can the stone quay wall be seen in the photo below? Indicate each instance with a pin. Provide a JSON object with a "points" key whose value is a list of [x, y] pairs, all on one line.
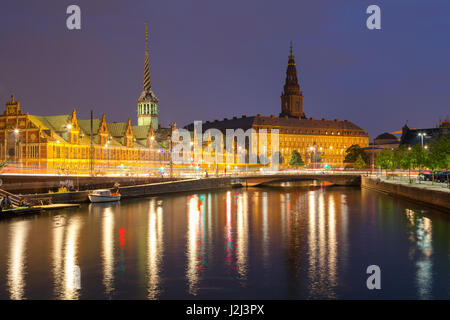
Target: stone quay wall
{"points": [[140, 190], [439, 199]]}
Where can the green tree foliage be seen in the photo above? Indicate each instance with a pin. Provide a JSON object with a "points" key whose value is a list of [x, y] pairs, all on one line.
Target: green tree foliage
{"points": [[295, 158], [435, 157], [419, 156], [439, 155], [385, 160], [360, 163], [353, 152], [403, 158]]}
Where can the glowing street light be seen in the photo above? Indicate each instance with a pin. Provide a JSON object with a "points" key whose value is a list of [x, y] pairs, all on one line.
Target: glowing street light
{"points": [[16, 131], [421, 135]]}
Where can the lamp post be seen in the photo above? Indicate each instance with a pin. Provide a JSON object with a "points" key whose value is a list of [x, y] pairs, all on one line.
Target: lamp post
{"points": [[421, 135], [151, 154], [16, 140], [170, 146], [313, 150], [107, 158], [69, 139]]}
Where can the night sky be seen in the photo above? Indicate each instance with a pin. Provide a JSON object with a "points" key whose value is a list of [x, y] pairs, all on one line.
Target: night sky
{"points": [[214, 59]]}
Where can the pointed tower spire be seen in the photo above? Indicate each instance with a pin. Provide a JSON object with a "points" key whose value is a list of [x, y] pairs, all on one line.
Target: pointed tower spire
{"points": [[292, 97], [147, 80], [291, 56], [147, 102]]}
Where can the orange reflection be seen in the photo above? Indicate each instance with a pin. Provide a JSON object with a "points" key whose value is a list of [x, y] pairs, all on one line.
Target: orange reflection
{"points": [[108, 249], [16, 271], [242, 236], [155, 249]]}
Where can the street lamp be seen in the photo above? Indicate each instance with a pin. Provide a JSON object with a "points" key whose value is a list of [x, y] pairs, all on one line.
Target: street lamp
{"points": [[107, 152], [421, 135], [314, 153], [17, 145]]}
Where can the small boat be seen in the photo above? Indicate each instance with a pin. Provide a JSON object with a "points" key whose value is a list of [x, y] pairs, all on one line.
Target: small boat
{"points": [[103, 195], [19, 211]]}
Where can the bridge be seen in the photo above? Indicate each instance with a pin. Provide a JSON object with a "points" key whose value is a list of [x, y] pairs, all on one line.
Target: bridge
{"points": [[335, 179]]}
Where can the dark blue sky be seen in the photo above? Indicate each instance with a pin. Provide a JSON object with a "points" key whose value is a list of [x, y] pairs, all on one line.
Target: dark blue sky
{"points": [[213, 59]]}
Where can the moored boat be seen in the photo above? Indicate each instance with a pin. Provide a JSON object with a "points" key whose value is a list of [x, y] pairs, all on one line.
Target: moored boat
{"points": [[103, 195], [19, 211]]}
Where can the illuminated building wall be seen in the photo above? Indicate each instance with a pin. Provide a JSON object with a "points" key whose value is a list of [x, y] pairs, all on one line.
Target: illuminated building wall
{"points": [[63, 142], [314, 139]]}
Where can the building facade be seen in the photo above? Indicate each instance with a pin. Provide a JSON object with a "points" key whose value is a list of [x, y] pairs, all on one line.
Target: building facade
{"points": [[320, 142], [64, 144], [411, 137]]}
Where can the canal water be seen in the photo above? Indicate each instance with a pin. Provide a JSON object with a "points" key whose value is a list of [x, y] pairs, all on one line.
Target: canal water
{"points": [[284, 242]]}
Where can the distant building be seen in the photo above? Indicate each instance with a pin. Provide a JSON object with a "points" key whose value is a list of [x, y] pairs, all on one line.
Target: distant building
{"points": [[386, 141], [383, 141], [411, 137], [310, 137]]}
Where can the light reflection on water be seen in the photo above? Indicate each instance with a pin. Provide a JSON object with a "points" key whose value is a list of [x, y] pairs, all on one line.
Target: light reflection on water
{"points": [[255, 243], [107, 249], [155, 249], [17, 260], [421, 237]]}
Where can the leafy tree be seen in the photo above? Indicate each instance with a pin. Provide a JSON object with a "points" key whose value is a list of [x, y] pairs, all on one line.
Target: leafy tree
{"points": [[360, 163], [385, 160], [403, 158], [353, 152], [419, 156], [439, 155], [295, 158]]}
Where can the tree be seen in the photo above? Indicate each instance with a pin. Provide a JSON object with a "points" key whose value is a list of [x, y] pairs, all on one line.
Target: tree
{"points": [[295, 158], [439, 155], [419, 156], [385, 160], [352, 153], [403, 158], [360, 163]]}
